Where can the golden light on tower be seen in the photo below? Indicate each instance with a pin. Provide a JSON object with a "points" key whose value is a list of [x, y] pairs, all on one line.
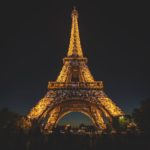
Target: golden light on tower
{"points": [[75, 45], [74, 90]]}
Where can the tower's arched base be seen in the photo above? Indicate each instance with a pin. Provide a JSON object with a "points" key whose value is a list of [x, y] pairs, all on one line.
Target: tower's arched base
{"points": [[52, 116], [91, 101]]}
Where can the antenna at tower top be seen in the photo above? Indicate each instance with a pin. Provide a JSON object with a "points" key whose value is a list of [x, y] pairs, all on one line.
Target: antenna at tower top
{"points": [[74, 12], [74, 7]]}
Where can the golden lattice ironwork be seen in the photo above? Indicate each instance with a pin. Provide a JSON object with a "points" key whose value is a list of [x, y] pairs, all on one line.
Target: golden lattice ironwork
{"points": [[75, 45], [74, 90]]}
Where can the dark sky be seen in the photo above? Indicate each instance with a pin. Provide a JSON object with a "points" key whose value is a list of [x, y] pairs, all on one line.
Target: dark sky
{"points": [[34, 38]]}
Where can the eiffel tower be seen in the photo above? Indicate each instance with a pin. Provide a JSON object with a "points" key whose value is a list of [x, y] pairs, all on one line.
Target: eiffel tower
{"points": [[74, 90]]}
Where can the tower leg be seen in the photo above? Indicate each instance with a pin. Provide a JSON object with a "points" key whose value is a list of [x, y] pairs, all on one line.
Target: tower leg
{"points": [[38, 110], [52, 118], [110, 106], [97, 116]]}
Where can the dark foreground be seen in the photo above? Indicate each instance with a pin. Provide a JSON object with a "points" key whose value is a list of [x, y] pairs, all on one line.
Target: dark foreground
{"points": [[57, 141], [12, 137]]}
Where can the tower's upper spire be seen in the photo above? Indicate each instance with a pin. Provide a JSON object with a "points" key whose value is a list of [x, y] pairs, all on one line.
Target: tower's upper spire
{"points": [[74, 45]]}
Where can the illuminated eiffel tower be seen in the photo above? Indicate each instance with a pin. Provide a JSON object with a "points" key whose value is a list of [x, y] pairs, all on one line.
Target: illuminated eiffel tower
{"points": [[74, 90]]}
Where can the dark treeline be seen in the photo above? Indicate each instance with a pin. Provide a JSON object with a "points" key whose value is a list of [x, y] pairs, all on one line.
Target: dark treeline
{"points": [[58, 141], [14, 138], [141, 116]]}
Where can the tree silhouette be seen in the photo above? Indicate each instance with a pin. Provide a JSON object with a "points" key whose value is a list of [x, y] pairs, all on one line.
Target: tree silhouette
{"points": [[142, 116]]}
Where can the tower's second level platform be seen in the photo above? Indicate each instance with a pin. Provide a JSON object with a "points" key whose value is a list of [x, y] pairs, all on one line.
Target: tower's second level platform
{"points": [[75, 85]]}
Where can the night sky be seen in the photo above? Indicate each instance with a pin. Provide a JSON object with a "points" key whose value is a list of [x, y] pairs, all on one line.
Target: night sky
{"points": [[34, 36]]}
